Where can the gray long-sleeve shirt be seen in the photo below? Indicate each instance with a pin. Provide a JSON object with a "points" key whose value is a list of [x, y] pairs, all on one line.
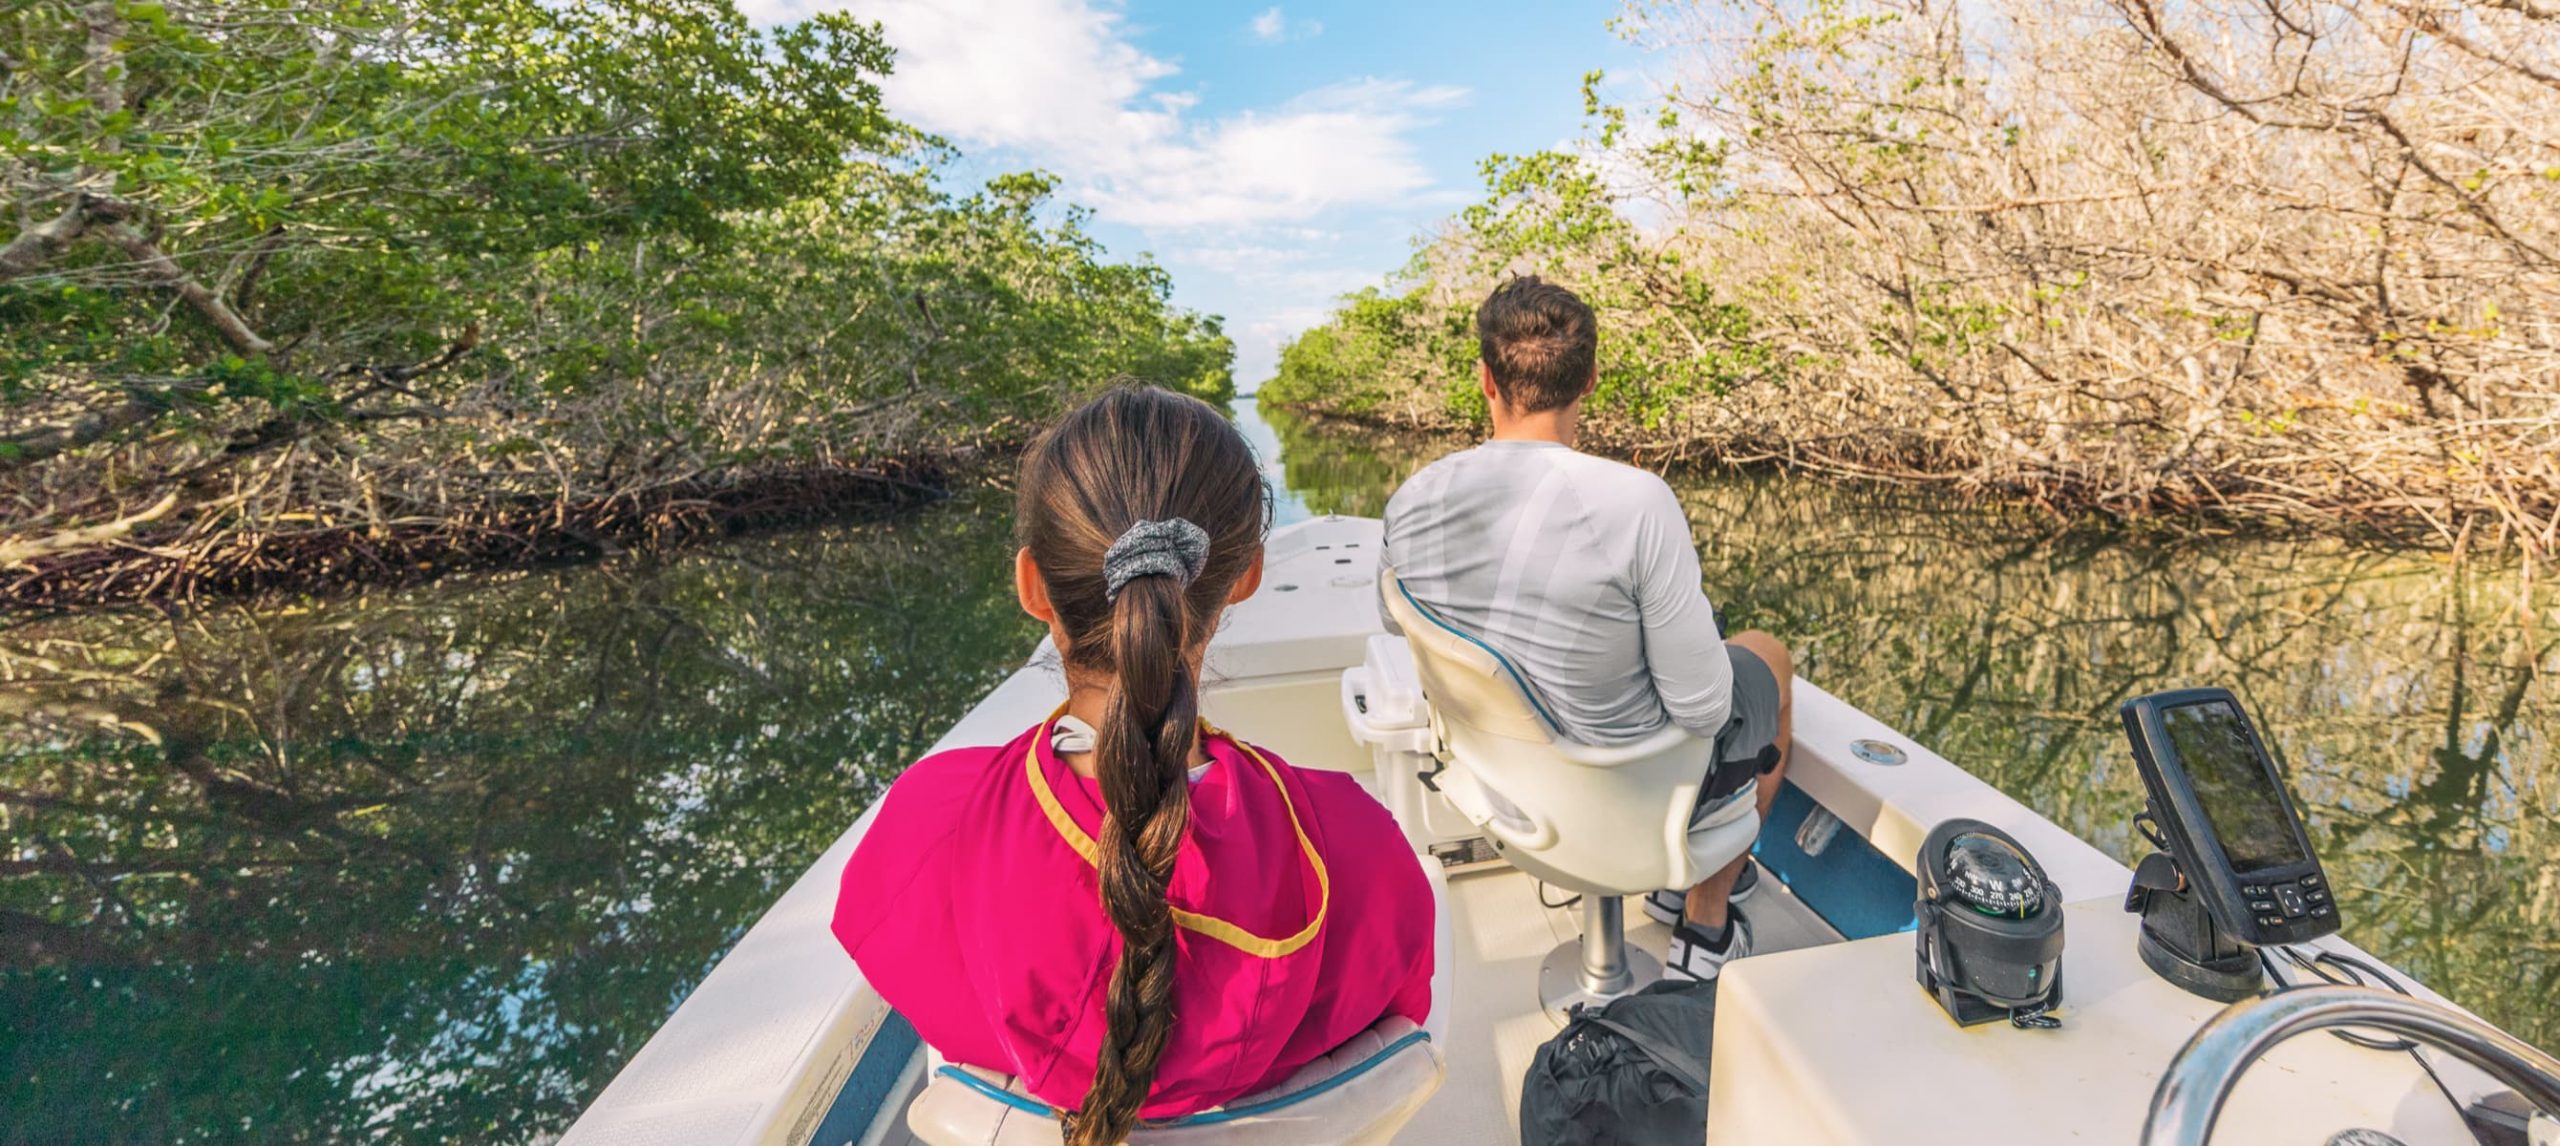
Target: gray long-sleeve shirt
{"points": [[1581, 571]]}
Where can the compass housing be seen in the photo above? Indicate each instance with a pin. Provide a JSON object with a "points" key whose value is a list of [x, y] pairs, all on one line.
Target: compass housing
{"points": [[1990, 925]]}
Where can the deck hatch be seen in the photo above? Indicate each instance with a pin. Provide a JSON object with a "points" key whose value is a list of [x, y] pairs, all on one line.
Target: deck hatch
{"points": [[1851, 885]]}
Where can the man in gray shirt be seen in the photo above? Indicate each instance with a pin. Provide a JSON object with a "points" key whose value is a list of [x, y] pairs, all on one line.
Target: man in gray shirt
{"points": [[1581, 571]]}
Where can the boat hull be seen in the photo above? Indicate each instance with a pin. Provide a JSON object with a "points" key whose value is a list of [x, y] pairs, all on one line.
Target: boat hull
{"points": [[783, 1043]]}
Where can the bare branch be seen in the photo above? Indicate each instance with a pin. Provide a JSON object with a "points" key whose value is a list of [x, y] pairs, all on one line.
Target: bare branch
{"points": [[105, 62], [14, 553], [146, 253], [2531, 9], [43, 242]]}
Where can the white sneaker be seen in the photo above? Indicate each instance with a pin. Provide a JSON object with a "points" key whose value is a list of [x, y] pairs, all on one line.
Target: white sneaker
{"points": [[1691, 959], [1667, 906]]}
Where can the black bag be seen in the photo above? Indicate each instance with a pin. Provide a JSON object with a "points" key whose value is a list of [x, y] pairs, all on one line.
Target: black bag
{"points": [[1632, 1073]]}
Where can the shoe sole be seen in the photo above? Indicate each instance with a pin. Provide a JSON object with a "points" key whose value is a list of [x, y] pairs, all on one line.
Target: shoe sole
{"points": [[1677, 969], [1655, 912]]}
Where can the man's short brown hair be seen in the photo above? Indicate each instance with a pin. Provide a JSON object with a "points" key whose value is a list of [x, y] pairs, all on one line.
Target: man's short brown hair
{"points": [[1540, 340]]}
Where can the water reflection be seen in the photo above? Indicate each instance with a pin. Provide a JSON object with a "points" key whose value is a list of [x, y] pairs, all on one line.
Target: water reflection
{"points": [[2412, 696], [429, 866]]}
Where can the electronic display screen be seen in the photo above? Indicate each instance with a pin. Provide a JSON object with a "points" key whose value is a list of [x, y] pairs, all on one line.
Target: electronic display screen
{"points": [[2238, 792]]}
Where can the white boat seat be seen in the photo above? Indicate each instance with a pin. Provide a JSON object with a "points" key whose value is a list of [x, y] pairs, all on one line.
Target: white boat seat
{"points": [[1606, 822], [1360, 1094]]}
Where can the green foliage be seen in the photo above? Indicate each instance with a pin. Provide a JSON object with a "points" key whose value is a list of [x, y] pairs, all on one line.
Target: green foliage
{"points": [[668, 241], [1349, 364], [73, 327], [1669, 337]]}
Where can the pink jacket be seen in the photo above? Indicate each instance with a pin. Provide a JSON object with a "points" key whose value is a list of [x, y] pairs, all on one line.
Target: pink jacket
{"points": [[973, 909]]}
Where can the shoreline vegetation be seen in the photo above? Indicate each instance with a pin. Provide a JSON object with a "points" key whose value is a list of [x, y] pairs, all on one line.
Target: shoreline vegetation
{"points": [[316, 296], [528, 534], [2030, 515], [2231, 264]]}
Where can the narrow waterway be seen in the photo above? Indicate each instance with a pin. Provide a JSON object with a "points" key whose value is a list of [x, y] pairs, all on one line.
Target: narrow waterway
{"points": [[429, 865]]}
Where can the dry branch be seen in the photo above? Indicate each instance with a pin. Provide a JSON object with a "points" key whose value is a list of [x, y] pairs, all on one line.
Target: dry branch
{"points": [[15, 554]]}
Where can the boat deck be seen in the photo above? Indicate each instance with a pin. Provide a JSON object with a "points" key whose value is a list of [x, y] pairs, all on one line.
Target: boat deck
{"points": [[1499, 947]]}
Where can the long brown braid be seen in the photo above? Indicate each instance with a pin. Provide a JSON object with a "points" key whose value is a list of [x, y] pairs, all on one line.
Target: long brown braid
{"points": [[1138, 454]]}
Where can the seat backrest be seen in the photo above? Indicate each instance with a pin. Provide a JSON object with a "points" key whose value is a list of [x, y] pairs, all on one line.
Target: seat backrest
{"points": [[1608, 821], [1464, 678], [1358, 1095]]}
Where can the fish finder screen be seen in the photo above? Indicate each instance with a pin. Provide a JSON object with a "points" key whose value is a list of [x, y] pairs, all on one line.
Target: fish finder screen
{"points": [[2237, 792]]}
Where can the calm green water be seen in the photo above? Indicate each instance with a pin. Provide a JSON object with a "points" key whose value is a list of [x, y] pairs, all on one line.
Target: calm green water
{"points": [[428, 866]]}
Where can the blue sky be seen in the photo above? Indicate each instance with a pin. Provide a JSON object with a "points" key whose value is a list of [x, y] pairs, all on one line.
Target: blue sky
{"points": [[1271, 157]]}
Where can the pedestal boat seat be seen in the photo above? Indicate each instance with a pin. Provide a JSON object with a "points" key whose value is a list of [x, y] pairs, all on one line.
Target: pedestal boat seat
{"points": [[1603, 822]]}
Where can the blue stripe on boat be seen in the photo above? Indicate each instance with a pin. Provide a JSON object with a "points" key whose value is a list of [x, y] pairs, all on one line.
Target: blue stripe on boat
{"points": [[1851, 885], [1539, 706], [1205, 1117], [867, 1089], [998, 1093]]}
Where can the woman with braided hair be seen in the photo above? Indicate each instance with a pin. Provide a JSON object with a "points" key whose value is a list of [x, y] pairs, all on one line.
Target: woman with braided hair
{"points": [[1140, 916]]}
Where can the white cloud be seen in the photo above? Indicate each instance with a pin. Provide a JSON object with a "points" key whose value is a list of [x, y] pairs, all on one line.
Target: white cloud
{"points": [[1061, 83], [1290, 280], [1273, 272], [1335, 146], [1265, 215], [1053, 77], [1271, 27]]}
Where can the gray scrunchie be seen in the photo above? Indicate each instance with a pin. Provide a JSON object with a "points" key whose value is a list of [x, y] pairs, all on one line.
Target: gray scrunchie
{"points": [[1172, 548]]}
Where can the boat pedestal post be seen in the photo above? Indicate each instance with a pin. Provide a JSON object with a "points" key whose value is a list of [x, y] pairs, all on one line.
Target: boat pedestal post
{"points": [[1597, 967]]}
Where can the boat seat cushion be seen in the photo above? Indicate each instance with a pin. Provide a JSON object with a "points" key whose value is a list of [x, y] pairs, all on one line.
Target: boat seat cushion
{"points": [[1358, 1095]]}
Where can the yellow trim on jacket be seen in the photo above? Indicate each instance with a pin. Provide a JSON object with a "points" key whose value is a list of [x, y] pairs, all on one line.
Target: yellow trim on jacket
{"points": [[1194, 922]]}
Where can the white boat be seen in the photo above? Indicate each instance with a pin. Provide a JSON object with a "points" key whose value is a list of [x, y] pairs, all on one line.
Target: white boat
{"points": [[1822, 1035]]}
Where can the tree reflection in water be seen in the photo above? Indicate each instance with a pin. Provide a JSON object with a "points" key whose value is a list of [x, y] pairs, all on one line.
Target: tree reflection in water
{"points": [[2412, 696], [430, 865]]}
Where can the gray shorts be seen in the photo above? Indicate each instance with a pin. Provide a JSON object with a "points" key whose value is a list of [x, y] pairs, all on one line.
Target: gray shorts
{"points": [[1748, 745]]}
